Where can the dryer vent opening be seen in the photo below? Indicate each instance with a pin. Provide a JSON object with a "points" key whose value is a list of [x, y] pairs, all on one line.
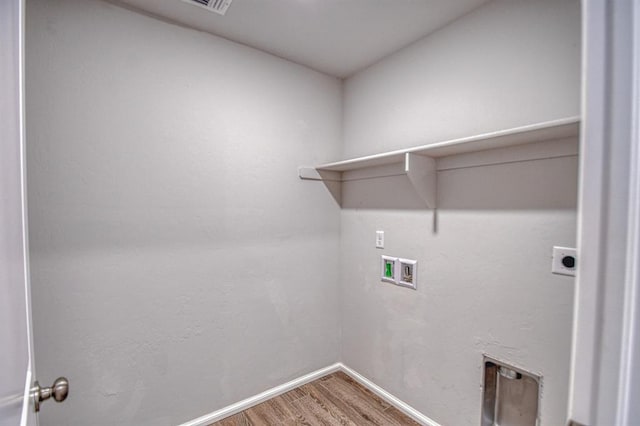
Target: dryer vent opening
{"points": [[218, 6], [510, 395]]}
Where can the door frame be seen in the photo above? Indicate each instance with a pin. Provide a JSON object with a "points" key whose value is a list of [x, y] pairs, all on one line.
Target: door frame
{"points": [[606, 347]]}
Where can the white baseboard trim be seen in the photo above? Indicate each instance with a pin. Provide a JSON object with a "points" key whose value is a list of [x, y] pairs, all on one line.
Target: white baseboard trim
{"points": [[391, 399], [245, 404], [286, 387]]}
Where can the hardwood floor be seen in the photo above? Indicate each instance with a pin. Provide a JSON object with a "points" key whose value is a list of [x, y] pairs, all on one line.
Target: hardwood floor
{"points": [[335, 399]]}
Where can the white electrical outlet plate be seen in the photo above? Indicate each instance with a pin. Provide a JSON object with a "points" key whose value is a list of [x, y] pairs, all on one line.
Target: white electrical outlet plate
{"points": [[564, 261], [389, 269], [379, 239], [408, 273]]}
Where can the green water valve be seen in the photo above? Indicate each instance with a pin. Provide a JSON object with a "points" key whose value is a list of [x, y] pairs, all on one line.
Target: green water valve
{"points": [[388, 269]]}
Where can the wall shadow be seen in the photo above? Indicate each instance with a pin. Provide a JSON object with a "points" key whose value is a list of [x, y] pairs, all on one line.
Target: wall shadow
{"points": [[546, 184]]}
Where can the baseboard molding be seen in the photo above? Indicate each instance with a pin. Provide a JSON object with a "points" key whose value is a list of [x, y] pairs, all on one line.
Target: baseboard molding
{"points": [[286, 387], [391, 399], [232, 409]]}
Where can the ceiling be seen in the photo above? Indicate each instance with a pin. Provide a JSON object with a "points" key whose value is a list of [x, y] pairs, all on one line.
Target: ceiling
{"points": [[337, 37]]}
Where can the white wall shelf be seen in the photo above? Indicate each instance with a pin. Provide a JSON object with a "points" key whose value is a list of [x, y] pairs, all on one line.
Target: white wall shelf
{"points": [[419, 163]]}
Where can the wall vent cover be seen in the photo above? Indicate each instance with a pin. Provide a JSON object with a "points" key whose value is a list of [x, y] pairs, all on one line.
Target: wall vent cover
{"points": [[218, 6]]}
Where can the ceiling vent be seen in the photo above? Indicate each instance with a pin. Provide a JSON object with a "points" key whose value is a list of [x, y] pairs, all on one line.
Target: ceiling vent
{"points": [[218, 6]]}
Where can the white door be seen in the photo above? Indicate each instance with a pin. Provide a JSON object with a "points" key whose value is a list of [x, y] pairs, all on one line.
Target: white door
{"points": [[17, 371], [16, 356]]}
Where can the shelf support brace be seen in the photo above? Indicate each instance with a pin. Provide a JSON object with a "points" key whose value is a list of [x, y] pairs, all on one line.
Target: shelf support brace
{"points": [[332, 180], [421, 171]]}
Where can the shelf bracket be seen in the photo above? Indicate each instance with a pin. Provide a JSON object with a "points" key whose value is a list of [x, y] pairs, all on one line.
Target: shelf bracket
{"points": [[332, 180], [421, 171]]}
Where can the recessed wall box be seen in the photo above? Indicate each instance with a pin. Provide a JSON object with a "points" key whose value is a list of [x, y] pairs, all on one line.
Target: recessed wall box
{"points": [[388, 269], [408, 273], [510, 396]]}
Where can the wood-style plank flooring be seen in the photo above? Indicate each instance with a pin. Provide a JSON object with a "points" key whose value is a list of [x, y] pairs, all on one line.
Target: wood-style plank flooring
{"points": [[335, 399]]}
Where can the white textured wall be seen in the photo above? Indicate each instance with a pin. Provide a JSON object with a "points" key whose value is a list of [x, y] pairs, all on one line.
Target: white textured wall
{"points": [[508, 63], [162, 190], [485, 285], [178, 263]]}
